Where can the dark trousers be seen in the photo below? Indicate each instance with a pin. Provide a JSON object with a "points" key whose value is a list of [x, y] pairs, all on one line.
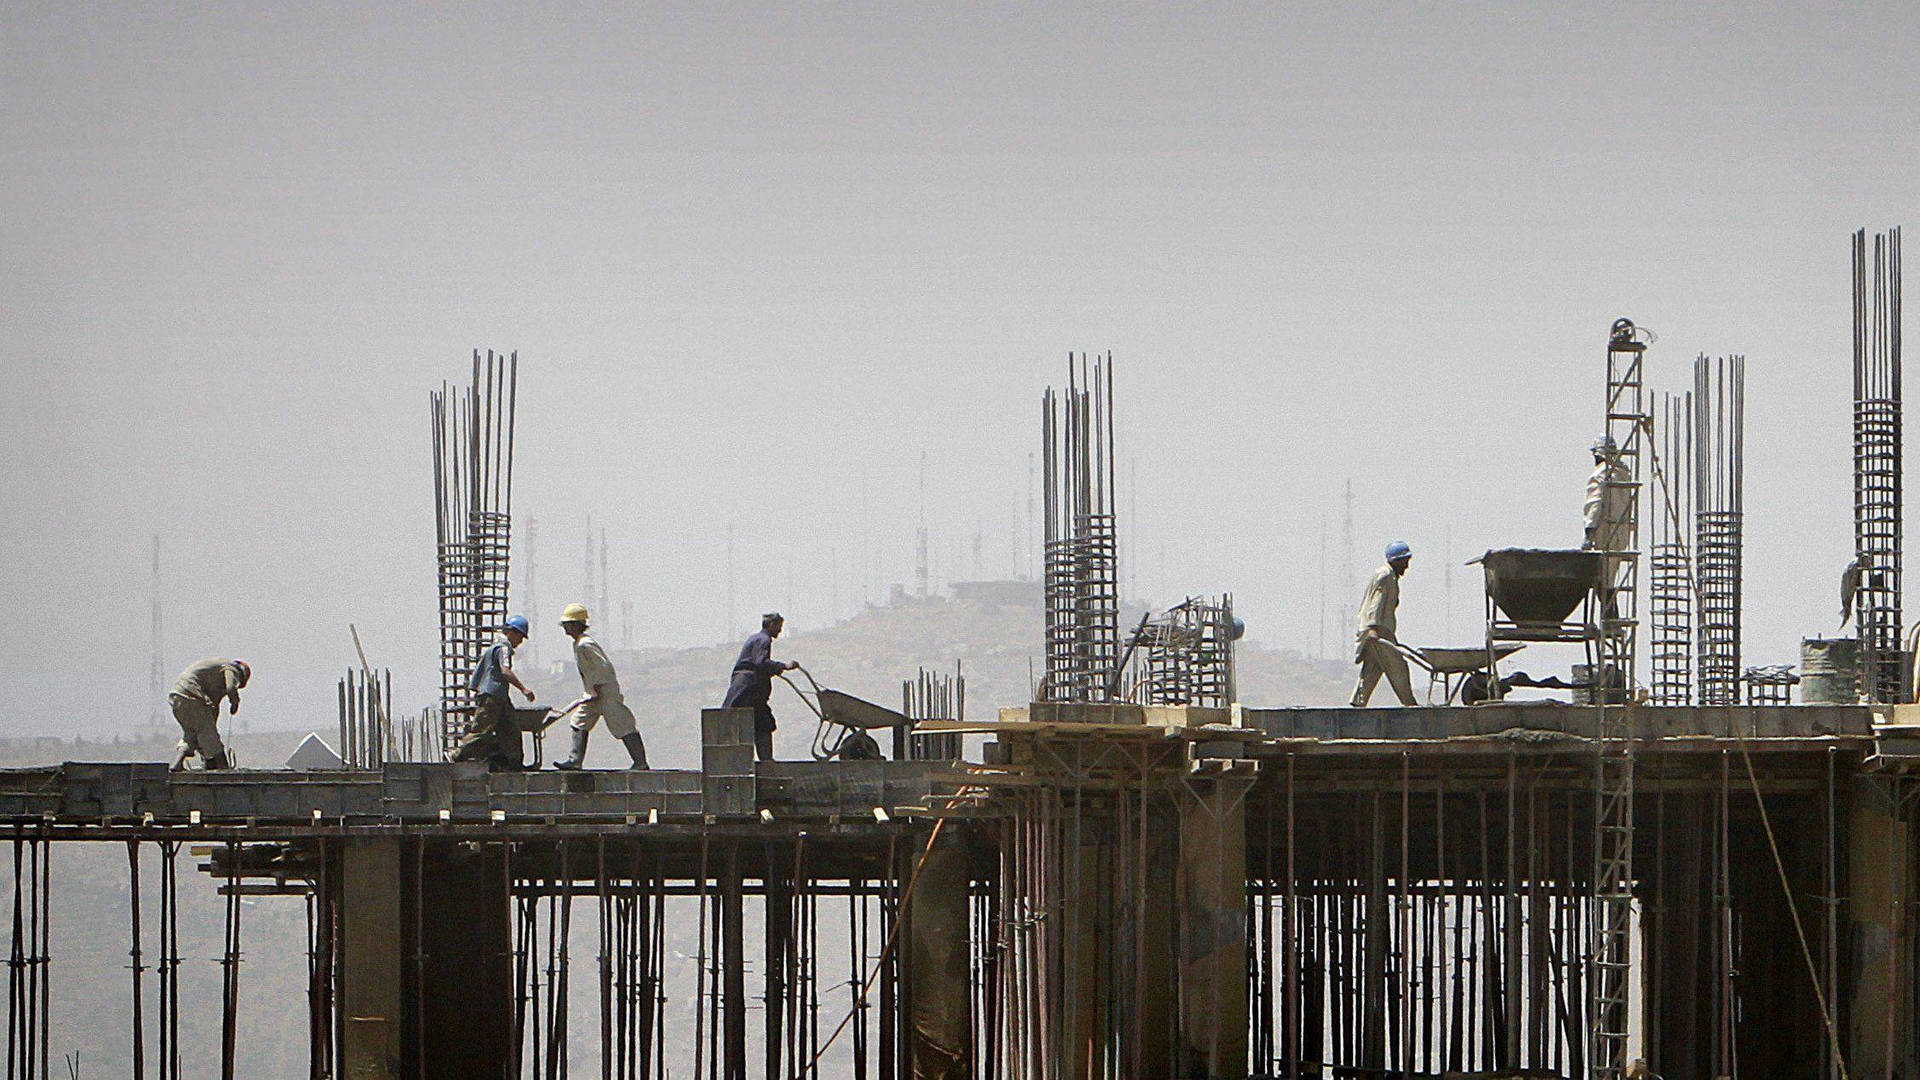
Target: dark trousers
{"points": [[763, 743], [493, 737]]}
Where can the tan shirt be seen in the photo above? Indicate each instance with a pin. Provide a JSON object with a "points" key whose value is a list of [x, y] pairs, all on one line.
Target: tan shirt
{"points": [[1379, 607], [1609, 500], [209, 680], [595, 668]]}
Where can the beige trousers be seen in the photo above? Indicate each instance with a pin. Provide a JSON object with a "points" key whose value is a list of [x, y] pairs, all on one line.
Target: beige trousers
{"points": [[199, 726], [612, 708], [1378, 657]]}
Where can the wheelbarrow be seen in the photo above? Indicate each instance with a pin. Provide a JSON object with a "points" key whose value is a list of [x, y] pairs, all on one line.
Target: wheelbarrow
{"points": [[844, 720], [1449, 668], [531, 720]]}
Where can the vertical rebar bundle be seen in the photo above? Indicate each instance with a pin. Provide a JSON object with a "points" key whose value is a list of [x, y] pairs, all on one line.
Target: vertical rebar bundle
{"points": [[934, 695], [367, 736], [473, 502], [1719, 429], [1189, 654], [1670, 563], [29, 960], [1082, 574], [1876, 462], [1771, 685]]}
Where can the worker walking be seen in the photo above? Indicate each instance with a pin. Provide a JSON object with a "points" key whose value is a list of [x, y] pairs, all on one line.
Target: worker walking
{"points": [[1376, 648], [752, 684], [494, 736], [602, 698], [195, 699]]}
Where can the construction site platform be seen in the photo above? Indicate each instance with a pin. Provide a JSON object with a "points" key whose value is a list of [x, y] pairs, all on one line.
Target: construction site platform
{"points": [[466, 798]]}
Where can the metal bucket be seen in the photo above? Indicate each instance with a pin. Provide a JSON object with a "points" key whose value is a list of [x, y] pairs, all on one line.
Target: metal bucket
{"points": [[1829, 671], [1535, 586]]}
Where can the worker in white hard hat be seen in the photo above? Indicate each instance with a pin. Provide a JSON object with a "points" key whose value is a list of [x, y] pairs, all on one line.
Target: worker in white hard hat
{"points": [[1609, 517], [1609, 506], [195, 698], [602, 699], [1376, 648]]}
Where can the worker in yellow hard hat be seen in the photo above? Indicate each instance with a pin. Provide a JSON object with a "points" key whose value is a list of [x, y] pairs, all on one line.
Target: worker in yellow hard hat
{"points": [[602, 699]]}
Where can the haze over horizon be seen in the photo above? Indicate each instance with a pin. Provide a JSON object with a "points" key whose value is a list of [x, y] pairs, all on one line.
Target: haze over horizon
{"points": [[757, 260]]}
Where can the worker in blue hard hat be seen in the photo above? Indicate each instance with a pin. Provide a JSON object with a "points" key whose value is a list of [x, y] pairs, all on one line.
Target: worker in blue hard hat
{"points": [[494, 737], [1376, 647]]}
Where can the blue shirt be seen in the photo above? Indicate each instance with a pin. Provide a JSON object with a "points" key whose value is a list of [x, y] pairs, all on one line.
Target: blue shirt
{"points": [[486, 680]]}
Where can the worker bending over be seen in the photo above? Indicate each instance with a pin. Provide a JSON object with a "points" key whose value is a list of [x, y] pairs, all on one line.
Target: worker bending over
{"points": [[602, 699], [495, 736], [195, 698], [1376, 648], [752, 683]]}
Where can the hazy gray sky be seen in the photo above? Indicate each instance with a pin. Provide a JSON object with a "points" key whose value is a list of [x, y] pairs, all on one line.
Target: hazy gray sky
{"points": [[756, 260]]}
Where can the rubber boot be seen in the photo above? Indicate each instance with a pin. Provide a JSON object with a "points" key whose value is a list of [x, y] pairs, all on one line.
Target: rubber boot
{"points": [[221, 760], [636, 749], [578, 755]]}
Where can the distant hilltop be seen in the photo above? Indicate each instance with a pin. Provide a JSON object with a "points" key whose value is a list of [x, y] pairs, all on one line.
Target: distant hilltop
{"points": [[992, 629]]}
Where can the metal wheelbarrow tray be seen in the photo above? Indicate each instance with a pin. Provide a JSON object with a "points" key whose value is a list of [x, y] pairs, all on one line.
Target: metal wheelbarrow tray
{"points": [[1466, 661], [849, 711]]}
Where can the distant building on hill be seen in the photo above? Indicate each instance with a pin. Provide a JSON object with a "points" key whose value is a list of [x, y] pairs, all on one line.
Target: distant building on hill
{"points": [[998, 593]]}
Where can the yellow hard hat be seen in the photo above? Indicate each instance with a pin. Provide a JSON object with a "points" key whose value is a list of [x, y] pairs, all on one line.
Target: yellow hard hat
{"points": [[574, 613]]}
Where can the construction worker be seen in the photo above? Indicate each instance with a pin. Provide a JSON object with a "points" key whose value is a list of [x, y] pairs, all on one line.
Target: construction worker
{"points": [[1376, 649], [1608, 509], [195, 699], [1608, 512], [752, 683], [1851, 579], [602, 698], [494, 736]]}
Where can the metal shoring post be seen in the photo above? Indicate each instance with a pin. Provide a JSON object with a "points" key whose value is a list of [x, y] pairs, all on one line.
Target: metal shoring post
{"points": [[1290, 945], [170, 959], [558, 942], [603, 910], [419, 952], [1724, 1063], [1406, 915], [133, 954], [1830, 1066], [230, 966], [17, 1036], [1452, 933]]}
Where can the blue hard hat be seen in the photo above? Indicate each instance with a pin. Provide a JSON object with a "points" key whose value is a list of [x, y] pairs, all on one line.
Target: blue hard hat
{"points": [[517, 622], [1398, 550]]}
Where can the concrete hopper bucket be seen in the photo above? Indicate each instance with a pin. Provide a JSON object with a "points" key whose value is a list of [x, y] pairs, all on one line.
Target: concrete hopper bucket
{"points": [[1538, 588]]}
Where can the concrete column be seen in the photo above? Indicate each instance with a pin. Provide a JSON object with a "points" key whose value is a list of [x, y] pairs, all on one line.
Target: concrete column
{"points": [[1157, 972], [466, 993], [1881, 893], [1212, 884], [372, 976], [936, 970]]}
